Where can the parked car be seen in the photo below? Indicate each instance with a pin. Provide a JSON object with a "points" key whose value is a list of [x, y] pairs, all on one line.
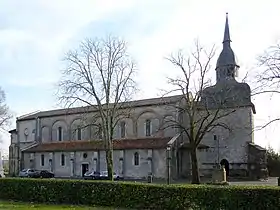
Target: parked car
{"points": [[91, 175], [2, 173], [103, 175], [27, 172], [42, 174]]}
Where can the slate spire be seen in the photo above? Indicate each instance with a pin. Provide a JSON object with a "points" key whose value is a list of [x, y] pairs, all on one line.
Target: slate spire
{"points": [[226, 33], [226, 64]]}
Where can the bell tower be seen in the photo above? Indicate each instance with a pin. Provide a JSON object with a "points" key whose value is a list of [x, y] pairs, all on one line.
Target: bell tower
{"points": [[226, 66]]}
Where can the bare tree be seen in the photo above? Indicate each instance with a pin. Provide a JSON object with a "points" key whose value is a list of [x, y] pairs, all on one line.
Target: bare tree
{"points": [[5, 114], [100, 76], [198, 117], [268, 79]]}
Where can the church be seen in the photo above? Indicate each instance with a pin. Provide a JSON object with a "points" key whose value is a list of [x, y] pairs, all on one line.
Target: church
{"points": [[54, 140]]}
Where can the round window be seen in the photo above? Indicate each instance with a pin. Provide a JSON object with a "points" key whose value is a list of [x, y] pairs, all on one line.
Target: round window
{"points": [[85, 155]]}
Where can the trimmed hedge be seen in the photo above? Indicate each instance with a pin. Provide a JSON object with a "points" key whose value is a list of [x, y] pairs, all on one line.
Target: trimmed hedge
{"points": [[140, 196]]}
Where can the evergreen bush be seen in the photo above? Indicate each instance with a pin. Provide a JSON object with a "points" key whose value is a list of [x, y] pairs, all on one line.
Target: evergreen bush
{"points": [[139, 195]]}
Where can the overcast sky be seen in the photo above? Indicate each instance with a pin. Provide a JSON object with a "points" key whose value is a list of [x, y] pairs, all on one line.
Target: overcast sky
{"points": [[34, 35]]}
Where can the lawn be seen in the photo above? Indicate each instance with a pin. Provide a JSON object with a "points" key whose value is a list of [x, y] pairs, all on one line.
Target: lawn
{"points": [[24, 206]]}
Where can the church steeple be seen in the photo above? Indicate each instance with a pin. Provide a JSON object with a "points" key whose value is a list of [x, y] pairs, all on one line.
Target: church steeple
{"points": [[226, 64], [226, 33]]}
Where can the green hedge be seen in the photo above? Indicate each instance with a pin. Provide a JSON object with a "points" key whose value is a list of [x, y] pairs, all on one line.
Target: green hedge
{"points": [[140, 196]]}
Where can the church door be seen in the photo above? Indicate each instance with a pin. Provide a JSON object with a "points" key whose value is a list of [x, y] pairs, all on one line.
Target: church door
{"points": [[225, 163], [85, 167]]}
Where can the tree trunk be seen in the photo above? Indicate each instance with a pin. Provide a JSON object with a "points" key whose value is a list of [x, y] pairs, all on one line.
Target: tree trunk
{"points": [[195, 173], [109, 160]]}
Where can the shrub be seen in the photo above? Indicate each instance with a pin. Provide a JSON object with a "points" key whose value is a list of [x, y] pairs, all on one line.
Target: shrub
{"points": [[218, 183], [139, 195]]}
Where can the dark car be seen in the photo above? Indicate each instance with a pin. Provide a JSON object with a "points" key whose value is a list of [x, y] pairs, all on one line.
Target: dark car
{"points": [[42, 174], [91, 175]]}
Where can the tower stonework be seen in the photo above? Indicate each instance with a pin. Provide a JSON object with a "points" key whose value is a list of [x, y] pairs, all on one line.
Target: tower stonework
{"points": [[227, 92], [236, 146]]}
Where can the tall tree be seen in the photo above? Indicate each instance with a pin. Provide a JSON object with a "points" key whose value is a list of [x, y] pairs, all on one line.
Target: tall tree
{"points": [[273, 162], [5, 114], [100, 74], [198, 117]]}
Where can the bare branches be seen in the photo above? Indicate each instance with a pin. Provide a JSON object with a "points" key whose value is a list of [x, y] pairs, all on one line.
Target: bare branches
{"points": [[5, 114], [198, 117], [270, 61], [202, 108], [267, 124], [193, 72], [100, 72], [268, 79], [99, 75], [269, 64]]}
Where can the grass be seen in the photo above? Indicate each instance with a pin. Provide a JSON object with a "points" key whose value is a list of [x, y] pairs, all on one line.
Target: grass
{"points": [[24, 206]]}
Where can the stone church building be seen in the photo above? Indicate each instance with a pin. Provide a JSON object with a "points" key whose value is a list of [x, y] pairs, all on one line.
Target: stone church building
{"points": [[55, 140]]}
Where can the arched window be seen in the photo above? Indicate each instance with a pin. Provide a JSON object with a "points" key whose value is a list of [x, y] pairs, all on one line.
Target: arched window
{"points": [[59, 133], [136, 159], [79, 133], [148, 127], [122, 129], [62, 160]]}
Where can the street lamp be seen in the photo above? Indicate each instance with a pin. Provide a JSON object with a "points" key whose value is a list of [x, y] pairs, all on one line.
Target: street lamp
{"points": [[168, 164]]}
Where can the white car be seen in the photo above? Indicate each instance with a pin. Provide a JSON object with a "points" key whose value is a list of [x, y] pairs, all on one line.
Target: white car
{"points": [[2, 175], [104, 175], [26, 172]]}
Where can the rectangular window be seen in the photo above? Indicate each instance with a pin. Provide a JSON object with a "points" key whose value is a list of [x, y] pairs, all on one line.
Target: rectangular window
{"points": [[42, 160], [215, 137], [62, 160], [148, 127], [79, 133], [59, 133], [99, 131], [122, 129], [136, 159]]}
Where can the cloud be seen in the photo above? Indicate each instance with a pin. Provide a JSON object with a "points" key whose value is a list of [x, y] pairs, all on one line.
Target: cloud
{"points": [[32, 38]]}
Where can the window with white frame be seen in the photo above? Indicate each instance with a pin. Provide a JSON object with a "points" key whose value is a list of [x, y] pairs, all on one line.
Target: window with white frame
{"points": [[59, 134], [62, 160], [79, 133], [122, 129], [148, 127]]}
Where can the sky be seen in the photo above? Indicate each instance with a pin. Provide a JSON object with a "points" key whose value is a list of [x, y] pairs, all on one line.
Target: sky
{"points": [[35, 35]]}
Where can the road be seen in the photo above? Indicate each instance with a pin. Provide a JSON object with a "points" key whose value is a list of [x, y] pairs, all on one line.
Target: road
{"points": [[272, 181]]}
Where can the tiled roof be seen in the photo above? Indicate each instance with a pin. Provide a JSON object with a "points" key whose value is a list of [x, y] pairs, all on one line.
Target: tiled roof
{"points": [[86, 109], [78, 145], [258, 147]]}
